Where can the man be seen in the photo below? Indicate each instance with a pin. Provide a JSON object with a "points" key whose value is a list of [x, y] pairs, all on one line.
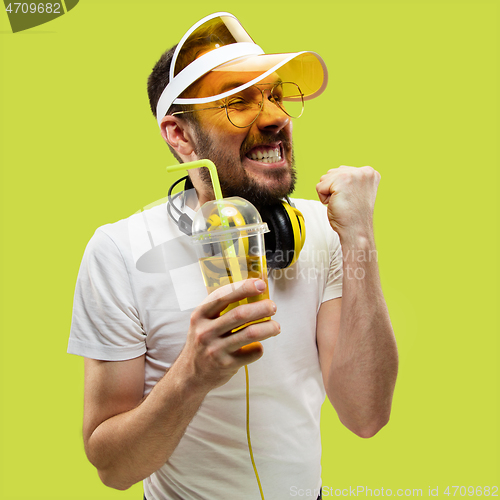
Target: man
{"points": [[218, 96]]}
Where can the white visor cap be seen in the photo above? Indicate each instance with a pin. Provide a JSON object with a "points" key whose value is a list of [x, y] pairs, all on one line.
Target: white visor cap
{"points": [[219, 43]]}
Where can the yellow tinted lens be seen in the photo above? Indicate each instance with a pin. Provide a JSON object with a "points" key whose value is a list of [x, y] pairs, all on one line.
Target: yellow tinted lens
{"points": [[289, 98]]}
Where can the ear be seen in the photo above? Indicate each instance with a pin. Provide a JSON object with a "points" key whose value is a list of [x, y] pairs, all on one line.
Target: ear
{"points": [[177, 133]]}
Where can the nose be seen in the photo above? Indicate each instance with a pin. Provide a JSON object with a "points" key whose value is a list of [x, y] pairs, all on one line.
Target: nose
{"points": [[272, 118]]}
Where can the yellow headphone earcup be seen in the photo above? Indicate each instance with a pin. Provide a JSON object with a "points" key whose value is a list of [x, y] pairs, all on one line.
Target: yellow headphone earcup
{"points": [[298, 229], [285, 240], [287, 234]]}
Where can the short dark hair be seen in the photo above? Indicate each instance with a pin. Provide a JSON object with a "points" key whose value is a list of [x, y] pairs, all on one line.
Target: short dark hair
{"points": [[157, 81]]}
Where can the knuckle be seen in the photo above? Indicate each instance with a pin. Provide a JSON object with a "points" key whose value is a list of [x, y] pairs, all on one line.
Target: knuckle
{"points": [[253, 331], [273, 328], [195, 317], [226, 362], [247, 286], [203, 337], [219, 301], [217, 298], [238, 314], [212, 352], [347, 178]]}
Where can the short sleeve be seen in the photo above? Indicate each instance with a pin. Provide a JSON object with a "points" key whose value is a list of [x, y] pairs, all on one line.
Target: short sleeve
{"points": [[105, 323], [333, 288]]}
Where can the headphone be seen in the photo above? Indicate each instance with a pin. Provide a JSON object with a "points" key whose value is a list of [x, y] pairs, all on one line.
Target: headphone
{"points": [[287, 230]]}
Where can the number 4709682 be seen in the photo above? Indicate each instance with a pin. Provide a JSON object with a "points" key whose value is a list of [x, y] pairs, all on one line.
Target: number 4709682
{"points": [[487, 491], [33, 8]]}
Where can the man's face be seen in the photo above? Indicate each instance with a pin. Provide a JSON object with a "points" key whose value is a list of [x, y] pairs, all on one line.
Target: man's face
{"points": [[255, 162]]}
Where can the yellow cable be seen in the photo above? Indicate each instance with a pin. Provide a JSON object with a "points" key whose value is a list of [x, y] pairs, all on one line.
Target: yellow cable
{"points": [[248, 434]]}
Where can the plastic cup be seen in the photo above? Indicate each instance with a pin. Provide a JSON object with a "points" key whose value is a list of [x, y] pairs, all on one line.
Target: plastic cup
{"points": [[229, 237]]}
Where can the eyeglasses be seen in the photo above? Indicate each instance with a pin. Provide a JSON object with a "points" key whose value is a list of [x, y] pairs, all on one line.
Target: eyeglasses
{"points": [[243, 108]]}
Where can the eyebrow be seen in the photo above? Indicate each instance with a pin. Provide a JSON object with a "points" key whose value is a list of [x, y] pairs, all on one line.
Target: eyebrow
{"points": [[237, 83], [230, 86]]}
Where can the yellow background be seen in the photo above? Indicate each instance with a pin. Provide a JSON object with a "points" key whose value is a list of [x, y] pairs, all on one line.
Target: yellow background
{"points": [[413, 92]]}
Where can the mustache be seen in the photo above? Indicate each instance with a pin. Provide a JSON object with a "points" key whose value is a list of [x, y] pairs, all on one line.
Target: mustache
{"points": [[263, 138]]}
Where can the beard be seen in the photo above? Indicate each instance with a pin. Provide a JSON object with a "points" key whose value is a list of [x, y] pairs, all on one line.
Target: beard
{"points": [[233, 178]]}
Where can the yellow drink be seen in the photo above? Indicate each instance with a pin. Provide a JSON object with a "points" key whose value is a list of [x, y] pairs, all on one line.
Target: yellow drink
{"points": [[217, 272]]}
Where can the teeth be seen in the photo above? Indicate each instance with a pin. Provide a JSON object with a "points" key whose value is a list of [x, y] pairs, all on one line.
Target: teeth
{"points": [[269, 155]]}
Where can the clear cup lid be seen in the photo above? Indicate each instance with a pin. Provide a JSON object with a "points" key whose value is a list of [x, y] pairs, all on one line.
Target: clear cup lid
{"points": [[227, 219]]}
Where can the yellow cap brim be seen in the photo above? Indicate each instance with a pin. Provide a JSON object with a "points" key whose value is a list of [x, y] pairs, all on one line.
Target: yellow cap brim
{"points": [[306, 69]]}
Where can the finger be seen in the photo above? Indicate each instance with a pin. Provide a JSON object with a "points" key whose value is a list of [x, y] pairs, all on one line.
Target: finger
{"points": [[253, 351], [323, 198], [329, 176], [252, 334], [248, 353], [243, 314], [219, 299], [325, 189]]}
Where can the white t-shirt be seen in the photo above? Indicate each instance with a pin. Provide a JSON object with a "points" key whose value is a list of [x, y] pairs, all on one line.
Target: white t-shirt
{"points": [[138, 284]]}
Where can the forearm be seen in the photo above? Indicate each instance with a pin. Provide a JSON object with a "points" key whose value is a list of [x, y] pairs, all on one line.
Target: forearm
{"points": [[364, 367], [131, 446], [127, 439]]}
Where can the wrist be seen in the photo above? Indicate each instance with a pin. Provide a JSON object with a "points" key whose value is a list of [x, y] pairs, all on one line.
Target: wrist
{"points": [[358, 251], [183, 375], [361, 238]]}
